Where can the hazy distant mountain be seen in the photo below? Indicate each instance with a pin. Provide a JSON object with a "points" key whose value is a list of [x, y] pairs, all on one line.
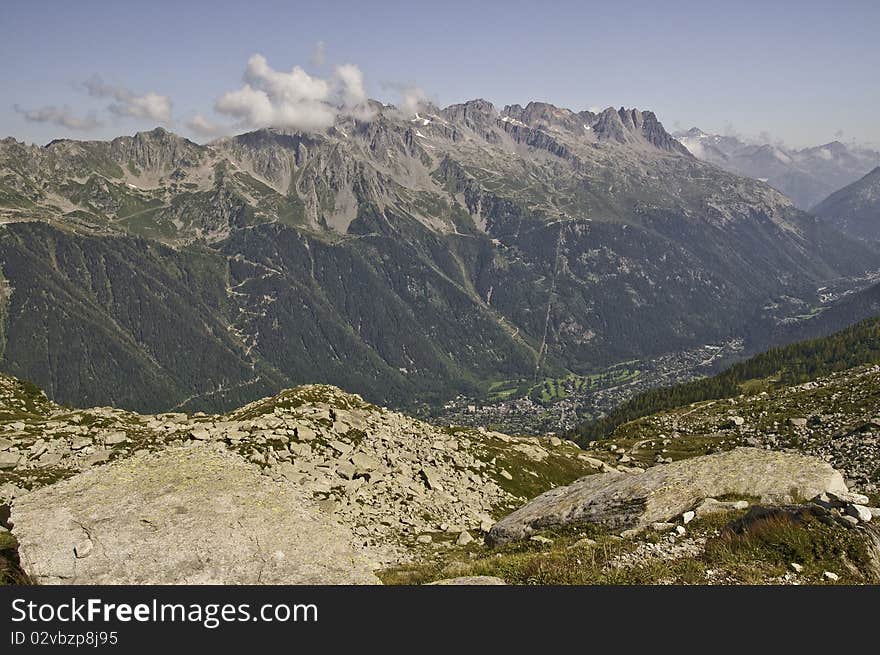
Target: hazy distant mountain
{"points": [[806, 176], [407, 258], [855, 209]]}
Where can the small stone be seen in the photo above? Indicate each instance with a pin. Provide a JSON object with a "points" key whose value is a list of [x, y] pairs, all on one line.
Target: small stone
{"points": [[200, 432], [687, 517], [9, 460], [713, 506], [365, 462], [797, 568], [585, 542], [50, 459], [555, 441], [346, 470], [115, 438], [848, 497], [798, 422], [830, 575], [464, 538], [432, 480], [680, 531], [737, 420], [851, 521], [98, 457], [340, 447], [662, 527], [424, 539], [80, 442], [305, 434], [83, 548], [860, 512], [506, 475], [541, 540]]}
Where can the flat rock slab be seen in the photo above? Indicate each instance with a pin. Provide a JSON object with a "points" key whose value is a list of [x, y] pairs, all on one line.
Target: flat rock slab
{"points": [[196, 514], [620, 502]]}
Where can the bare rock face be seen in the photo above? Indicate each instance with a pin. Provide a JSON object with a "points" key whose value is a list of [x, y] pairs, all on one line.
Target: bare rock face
{"points": [[621, 502], [195, 514]]}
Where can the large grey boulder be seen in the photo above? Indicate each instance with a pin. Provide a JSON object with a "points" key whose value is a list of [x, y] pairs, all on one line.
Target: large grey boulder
{"points": [[620, 502], [195, 514]]}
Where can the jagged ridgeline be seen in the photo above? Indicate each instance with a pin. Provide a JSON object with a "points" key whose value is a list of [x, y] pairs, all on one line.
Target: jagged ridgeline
{"points": [[405, 258], [778, 367]]}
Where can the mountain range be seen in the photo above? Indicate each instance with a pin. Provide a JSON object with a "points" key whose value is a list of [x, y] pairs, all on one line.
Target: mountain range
{"points": [[408, 258], [807, 176]]}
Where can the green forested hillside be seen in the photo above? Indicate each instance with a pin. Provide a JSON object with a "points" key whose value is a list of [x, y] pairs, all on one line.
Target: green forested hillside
{"points": [[787, 365], [408, 265]]}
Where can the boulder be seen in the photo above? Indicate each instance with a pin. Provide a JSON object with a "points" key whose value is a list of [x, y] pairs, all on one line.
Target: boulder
{"points": [[192, 514], [620, 502]]}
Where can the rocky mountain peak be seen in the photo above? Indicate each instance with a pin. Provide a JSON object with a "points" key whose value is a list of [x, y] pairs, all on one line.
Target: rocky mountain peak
{"points": [[543, 115], [473, 113], [156, 151], [634, 126]]}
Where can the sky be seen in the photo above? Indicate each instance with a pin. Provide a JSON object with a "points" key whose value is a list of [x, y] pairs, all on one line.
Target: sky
{"points": [[802, 73]]}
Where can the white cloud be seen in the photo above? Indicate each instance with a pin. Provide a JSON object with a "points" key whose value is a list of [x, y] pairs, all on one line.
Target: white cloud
{"points": [[295, 99], [352, 85], [62, 116], [150, 105], [206, 128], [412, 100]]}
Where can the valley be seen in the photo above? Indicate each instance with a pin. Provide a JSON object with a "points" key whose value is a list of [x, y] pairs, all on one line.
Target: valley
{"points": [[777, 484], [415, 261]]}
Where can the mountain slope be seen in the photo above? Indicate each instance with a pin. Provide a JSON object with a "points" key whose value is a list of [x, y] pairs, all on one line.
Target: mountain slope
{"points": [[855, 209], [406, 258], [784, 366]]}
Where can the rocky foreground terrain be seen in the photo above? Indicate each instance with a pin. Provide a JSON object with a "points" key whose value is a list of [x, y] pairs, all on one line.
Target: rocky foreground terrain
{"points": [[315, 485], [386, 481], [835, 418]]}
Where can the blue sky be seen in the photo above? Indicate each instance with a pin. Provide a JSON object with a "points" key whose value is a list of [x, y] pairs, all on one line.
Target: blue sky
{"points": [[804, 72]]}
